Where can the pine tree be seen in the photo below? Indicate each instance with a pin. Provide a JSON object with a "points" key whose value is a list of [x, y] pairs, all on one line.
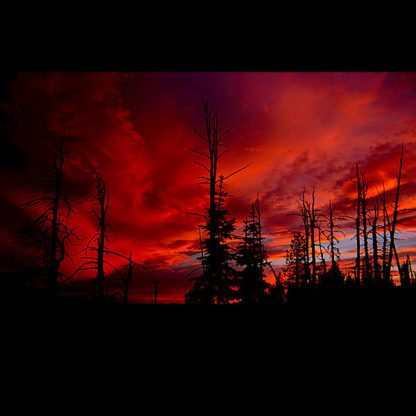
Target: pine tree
{"points": [[252, 287], [215, 285], [296, 268]]}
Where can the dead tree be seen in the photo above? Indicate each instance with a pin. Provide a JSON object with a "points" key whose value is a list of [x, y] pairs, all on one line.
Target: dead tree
{"points": [[214, 284], [303, 212], [125, 277], [321, 249], [101, 199], [364, 190], [48, 229], [394, 221], [332, 238], [357, 229], [375, 243], [364, 211], [310, 218], [313, 223], [334, 279], [386, 227]]}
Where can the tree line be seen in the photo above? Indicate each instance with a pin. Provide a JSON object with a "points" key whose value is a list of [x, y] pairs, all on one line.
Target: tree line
{"points": [[50, 234], [238, 275], [227, 272]]}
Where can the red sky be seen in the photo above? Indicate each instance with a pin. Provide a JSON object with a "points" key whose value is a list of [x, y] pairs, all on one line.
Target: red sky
{"points": [[298, 129]]}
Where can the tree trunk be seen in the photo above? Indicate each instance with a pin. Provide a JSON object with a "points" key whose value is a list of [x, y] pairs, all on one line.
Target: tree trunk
{"points": [[393, 225], [357, 227]]}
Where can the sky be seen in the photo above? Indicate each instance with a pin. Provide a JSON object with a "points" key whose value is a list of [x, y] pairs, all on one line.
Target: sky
{"points": [[299, 130]]}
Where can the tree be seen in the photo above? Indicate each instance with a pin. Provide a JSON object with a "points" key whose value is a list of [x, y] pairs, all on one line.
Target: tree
{"points": [[303, 213], [334, 277], [364, 212], [406, 276], [252, 256], [296, 268], [101, 199], [357, 229], [215, 283], [376, 266], [394, 221], [310, 217], [49, 230], [386, 228], [124, 277]]}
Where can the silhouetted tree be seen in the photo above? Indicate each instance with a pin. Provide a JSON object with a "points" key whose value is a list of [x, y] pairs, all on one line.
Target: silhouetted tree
{"points": [[357, 229], [124, 277], [394, 221], [277, 293], [310, 218], [296, 261], [303, 213], [321, 250], [386, 228], [101, 199], [252, 288], [334, 275], [49, 230], [364, 213], [406, 276], [333, 249], [376, 266], [215, 283]]}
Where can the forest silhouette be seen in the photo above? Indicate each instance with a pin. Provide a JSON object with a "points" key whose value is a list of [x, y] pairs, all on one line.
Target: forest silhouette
{"points": [[241, 315], [233, 268]]}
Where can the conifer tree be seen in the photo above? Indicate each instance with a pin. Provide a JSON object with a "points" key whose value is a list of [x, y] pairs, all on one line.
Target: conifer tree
{"points": [[252, 287], [296, 268], [215, 285]]}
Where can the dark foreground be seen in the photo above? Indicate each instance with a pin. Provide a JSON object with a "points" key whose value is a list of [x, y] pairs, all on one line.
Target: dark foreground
{"points": [[347, 316], [316, 353]]}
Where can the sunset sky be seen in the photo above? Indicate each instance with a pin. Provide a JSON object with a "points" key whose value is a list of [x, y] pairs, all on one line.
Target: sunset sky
{"points": [[298, 130]]}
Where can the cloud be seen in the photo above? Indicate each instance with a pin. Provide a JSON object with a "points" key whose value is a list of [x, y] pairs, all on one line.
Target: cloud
{"points": [[299, 130]]}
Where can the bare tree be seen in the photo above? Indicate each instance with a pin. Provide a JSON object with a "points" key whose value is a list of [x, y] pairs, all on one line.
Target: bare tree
{"points": [[312, 214], [333, 230], [386, 228], [364, 212], [101, 199], [49, 229], [394, 221], [311, 222], [376, 267], [321, 248], [357, 228], [125, 276]]}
